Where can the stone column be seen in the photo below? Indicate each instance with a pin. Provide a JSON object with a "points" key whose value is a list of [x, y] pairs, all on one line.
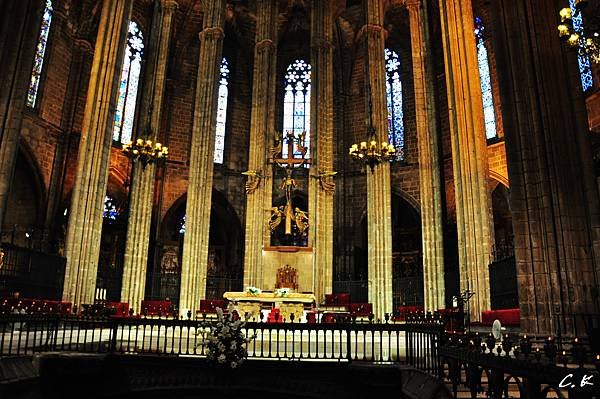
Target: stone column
{"points": [[20, 23], [469, 152], [429, 164], [87, 199], [262, 126], [554, 203], [379, 192], [198, 206], [321, 188], [142, 189]]}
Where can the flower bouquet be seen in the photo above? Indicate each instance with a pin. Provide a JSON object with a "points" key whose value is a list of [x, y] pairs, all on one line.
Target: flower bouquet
{"points": [[226, 341], [282, 292], [253, 291]]}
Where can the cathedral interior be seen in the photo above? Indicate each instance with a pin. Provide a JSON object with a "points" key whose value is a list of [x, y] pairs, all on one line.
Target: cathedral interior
{"points": [[413, 154]]}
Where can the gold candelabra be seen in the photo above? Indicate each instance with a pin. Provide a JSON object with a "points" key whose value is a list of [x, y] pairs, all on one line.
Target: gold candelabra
{"points": [[372, 153], [585, 40], [145, 151]]}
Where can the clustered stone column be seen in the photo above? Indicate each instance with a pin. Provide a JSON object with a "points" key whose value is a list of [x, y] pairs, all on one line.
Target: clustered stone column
{"points": [[87, 200], [321, 191], [19, 31], [262, 126], [199, 197], [429, 165], [379, 192], [553, 198], [469, 152], [142, 189]]}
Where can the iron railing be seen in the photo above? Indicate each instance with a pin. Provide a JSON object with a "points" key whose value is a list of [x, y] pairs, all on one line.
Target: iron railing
{"points": [[524, 367], [414, 344]]}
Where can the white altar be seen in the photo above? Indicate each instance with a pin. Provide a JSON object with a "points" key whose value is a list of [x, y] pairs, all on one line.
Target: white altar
{"points": [[252, 304]]}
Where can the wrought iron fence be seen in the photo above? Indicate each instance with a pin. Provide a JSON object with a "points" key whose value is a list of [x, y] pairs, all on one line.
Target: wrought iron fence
{"points": [[528, 367], [414, 344]]}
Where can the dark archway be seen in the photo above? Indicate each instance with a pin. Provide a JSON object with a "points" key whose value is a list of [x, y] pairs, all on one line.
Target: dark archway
{"points": [[503, 271], [21, 225], [225, 253], [407, 266]]}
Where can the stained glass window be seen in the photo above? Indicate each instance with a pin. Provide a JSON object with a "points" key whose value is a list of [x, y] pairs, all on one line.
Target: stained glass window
{"points": [[393, 89], [221, 111], [296, 104], [38, 62], [110, 209], [182, 225], [489, 114], [128, 85], [585, 69]]}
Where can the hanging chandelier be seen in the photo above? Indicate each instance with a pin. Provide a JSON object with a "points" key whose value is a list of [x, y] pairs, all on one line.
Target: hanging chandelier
{"points": [[583, 36], [371, 152], [145, 151]]}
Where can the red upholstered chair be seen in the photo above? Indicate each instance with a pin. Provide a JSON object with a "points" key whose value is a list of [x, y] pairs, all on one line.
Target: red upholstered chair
{"points": [[342, 299], [508, 317], [274, 316], [157, 308], [211, 305], [328, 318], [118, 309], [361, 309], [311, 317]]}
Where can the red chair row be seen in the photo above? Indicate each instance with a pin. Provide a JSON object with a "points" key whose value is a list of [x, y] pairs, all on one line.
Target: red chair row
{"points": [[211, 305], [508, 317], [157, 308], [119, 309], [337, 299], [360, 309]]}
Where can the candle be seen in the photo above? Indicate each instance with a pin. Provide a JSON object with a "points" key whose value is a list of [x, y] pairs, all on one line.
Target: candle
{"points": [[363, 145], [573, 40], [565, 14], [563, 30]]}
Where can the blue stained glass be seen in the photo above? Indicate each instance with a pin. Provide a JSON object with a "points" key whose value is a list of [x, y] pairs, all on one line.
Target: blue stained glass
{"points": [[585, 68], [129, 84], [221, 113], [487, 97], [296, 104], [182, 225], [393, 88], [110, 209], [36, 73]]}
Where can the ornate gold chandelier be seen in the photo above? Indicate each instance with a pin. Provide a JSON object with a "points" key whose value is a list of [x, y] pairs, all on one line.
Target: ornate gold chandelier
{"points": [[145, 151], [371, 153], [585, 40]]}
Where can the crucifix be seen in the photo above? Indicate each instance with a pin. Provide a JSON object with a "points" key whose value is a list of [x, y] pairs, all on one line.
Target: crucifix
{"points": [[289, 164]]}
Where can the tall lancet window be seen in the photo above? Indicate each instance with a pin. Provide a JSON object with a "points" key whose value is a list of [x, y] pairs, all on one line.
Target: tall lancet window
{"points": [[585, 69], [38, 62], [128, 85], [221, 112], [296, 104], [489, 115], [393, 89]]}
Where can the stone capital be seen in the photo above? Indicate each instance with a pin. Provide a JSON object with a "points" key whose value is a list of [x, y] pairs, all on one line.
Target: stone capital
{"points": [[263, 44], [413, 5], [371, 29], [84, 46], [213, 32], [169, 5]]}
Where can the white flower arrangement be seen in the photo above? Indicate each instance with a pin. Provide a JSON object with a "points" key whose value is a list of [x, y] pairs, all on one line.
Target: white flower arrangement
{"points": [[282, 292], [226, 341], [253, 291]]}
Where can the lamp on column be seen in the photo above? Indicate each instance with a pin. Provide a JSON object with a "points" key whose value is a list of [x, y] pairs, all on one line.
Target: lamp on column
{"points": [[585, 38], [370, 152]]}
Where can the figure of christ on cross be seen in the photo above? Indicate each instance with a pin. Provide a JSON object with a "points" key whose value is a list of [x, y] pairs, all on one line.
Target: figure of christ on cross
{"points": [[289, 164]]}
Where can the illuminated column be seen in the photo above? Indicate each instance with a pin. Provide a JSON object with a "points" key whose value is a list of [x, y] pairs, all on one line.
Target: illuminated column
{"points": [[379, 192], [469, 152], [142, 189], [198, 206], [429, 165], [87, 200], [19, 32], [262, 125], [321, 191]]}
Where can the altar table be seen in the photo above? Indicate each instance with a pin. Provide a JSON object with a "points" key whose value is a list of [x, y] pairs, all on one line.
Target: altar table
{"points": [[252, 304]]}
